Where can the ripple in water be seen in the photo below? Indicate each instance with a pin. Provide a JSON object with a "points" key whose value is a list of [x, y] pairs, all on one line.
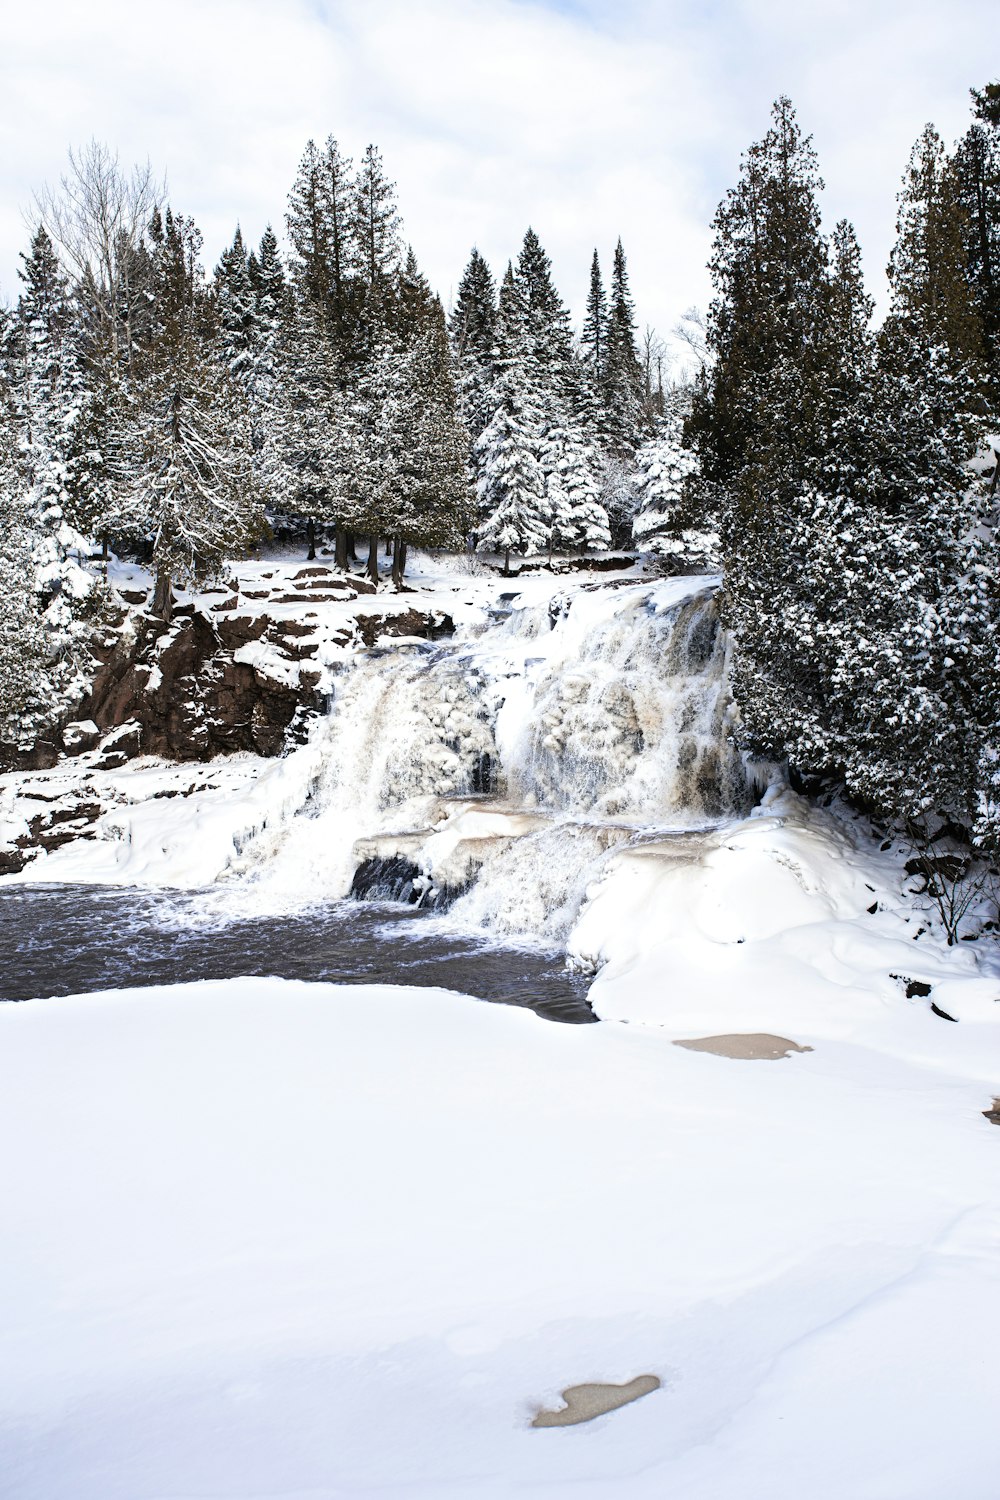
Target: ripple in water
{"points": [[67, 940]]}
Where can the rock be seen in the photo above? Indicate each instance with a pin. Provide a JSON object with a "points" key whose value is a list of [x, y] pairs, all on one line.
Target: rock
{"points": [[431, 626], [80, 735], [187, 698]]}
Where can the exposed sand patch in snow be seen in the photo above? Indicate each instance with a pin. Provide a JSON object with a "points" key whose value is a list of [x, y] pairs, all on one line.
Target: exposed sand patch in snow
{"points": [[585, 1402], [753, 1046]]}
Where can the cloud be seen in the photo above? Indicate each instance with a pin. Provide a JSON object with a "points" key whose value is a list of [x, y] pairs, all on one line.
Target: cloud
{"points": [[584, 118]]}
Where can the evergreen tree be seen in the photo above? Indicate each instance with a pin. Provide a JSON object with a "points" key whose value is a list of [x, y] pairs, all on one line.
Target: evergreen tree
{"points": [[376, 246], [576, 517], [927, 271], [623, 416], [976, 170], [52, 409], [315, 436], [668, 517], [595, 329], [473, 332], [320, 222], [187, 442], [236, 306], [24, 683], [759, 420]]}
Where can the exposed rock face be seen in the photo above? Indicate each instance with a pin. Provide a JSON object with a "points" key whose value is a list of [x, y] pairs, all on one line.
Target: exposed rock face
{"points": [[412, 622], [245, 670], [187, 696]]}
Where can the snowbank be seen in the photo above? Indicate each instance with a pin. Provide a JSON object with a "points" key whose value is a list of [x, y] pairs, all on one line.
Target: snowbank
{"points": [[273, 1239], [781, 922]]}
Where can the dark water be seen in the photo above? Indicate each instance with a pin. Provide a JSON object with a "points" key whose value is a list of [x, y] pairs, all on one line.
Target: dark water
{"points": [[67, 940]]}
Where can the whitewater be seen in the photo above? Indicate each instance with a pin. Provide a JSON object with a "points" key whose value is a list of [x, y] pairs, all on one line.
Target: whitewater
{"points": [[270, 1238]]}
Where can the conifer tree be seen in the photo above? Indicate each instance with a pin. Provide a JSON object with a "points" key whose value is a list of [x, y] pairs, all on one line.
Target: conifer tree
{"points": [[187, 443], [976, 168], [236, 306], [595, 329], [669, 520], [376, 246], [24, 684], [927, 271], [510, 486], [320, 226], [473, 333], [623, 416], [53, 411]]}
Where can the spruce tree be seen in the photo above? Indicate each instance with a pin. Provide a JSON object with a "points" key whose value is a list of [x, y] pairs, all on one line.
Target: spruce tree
{"points": [[236, 310], [595, 328], [623, 416], [53, 411], [25, 686], [473, 333], [669, 520], [187, 442]]}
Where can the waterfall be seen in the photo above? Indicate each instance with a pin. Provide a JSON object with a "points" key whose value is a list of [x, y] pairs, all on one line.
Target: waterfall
{"points": [[498, 772]]}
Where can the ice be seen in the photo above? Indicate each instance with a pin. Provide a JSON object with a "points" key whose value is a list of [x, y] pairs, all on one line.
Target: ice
{"points": [[274, 1239]]}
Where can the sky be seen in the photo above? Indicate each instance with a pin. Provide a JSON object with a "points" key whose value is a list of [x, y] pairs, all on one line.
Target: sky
{"points": [[586, 119]]}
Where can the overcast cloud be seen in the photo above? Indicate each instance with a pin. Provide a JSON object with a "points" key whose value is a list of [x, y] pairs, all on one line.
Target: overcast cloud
{"points": [[583, 118]]}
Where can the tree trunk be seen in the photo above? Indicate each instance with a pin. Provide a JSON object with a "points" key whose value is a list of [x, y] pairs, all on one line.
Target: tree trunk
{"points": [[163, 596], [352, 550], [372, 568], [506, 562], [390, 543], [340, 549], [311, 539], [398, 561]]}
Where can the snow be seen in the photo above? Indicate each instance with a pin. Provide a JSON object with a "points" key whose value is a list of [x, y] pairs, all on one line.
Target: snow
{"points": [[275, 1239], [766, 924], [272, 1239]]}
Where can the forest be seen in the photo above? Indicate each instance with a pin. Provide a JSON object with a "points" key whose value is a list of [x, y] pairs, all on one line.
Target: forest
{"points": [[842, 477]]}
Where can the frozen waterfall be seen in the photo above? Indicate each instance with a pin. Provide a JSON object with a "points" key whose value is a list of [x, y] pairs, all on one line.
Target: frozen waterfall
{"points": [[500, 770]]}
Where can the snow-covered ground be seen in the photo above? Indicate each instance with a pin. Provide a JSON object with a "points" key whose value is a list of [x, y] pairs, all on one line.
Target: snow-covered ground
{"points": [[279, 1240], [271, 1239]]}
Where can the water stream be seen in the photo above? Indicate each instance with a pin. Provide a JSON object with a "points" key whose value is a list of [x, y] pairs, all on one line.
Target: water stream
{"points": [[466, 793]]}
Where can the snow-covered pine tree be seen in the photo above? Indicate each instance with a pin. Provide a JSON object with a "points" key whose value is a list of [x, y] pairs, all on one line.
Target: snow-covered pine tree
{"points": [[756, 421], [320, 228], [236, 310], [52, 411], [315, 441], [510, 484], [187, 448], [510, 479], [576, 517], [623, 417], [473, 333], [593, 339], [376, 240], [25, 687], [669, 520], [434, 501], [269, 356]]}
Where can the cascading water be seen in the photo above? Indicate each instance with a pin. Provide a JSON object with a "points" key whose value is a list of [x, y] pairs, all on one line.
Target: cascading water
{"points": [[503, 769]]}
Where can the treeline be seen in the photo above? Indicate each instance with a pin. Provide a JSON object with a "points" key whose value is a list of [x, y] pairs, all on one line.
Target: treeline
{"points": [[855, 479], [151, 409]]}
